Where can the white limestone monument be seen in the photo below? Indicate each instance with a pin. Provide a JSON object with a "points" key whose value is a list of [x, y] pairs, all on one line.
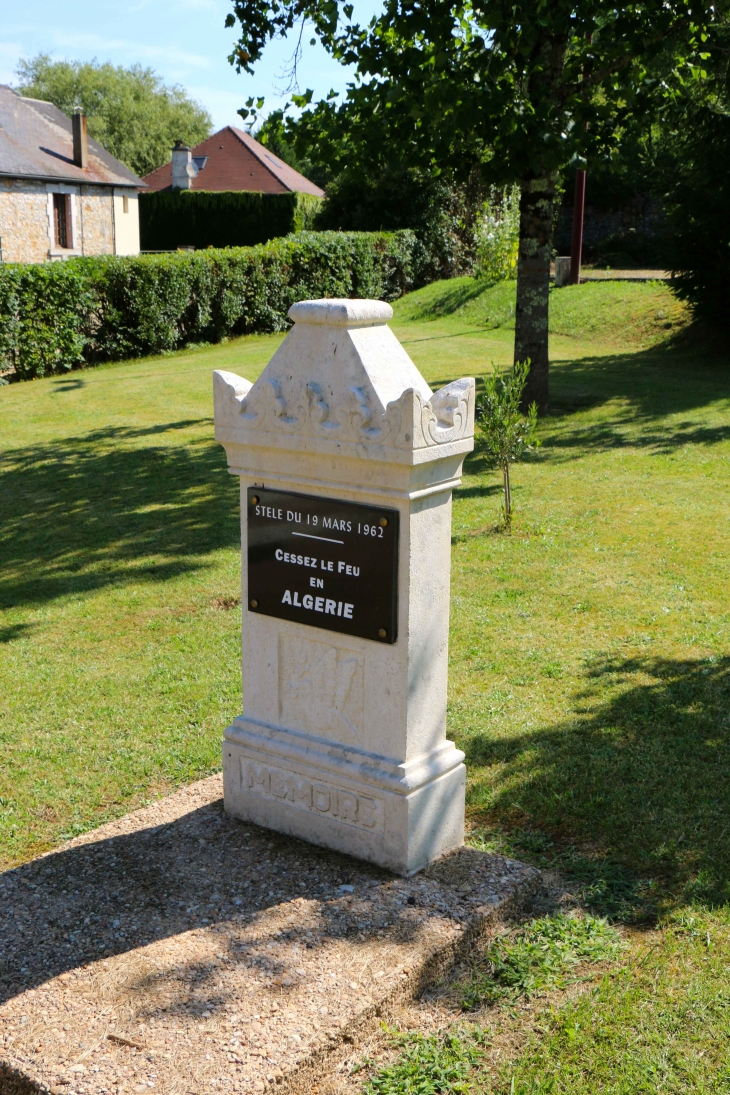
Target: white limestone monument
{"points": [[347, 461]]}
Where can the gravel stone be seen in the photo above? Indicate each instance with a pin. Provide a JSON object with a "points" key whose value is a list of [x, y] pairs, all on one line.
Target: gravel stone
{"points": [[179, 951]]}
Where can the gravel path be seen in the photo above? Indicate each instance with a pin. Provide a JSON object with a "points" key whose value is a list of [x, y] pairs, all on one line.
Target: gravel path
{"points": [[179, 951], [624, 275]]}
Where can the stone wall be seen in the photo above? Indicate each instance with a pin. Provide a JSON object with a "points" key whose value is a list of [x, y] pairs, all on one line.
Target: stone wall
{"points": [[25, 230], [24, 221], [97, 218], [641, 216]]}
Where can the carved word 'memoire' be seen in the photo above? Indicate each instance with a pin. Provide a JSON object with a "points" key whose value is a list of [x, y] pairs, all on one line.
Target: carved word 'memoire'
{"points": [[320, 798]]}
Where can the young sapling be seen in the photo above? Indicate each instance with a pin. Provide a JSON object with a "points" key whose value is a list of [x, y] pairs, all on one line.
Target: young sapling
{"points": [[505, 432]]}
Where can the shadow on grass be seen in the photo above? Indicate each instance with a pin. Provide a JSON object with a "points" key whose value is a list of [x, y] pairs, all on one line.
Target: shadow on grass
{"points": [[645, 387], [477, 462], [471, 332], [631, 795], [68, 384], [651, 384], [480, 490], [450, 298], [85, 512], [13, 631]]}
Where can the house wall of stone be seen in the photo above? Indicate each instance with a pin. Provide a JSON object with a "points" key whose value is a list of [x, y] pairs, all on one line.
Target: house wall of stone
{"points": [[26, 228], [97, 220], [24, 221]]}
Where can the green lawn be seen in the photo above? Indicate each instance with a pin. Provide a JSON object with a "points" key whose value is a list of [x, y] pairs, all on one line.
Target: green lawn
{"points": [[590, 651]]}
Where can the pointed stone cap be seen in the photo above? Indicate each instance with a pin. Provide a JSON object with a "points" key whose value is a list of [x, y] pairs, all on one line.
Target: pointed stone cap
{"points": [[341, 383], [342, 312]]}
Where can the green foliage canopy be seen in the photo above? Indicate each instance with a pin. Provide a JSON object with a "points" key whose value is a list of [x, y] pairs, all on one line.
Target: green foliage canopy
{"points": [[527, 87], [532, 86], [691, 176], [380, 193], [278, 133], [440, 211], [130, 111], [697, 246]]}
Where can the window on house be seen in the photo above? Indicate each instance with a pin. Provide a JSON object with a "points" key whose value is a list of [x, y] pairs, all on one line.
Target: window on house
{"points": [[125, 203], [62, 220]]}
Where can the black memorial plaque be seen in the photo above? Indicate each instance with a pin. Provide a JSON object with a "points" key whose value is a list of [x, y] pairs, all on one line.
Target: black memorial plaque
{"points": [[324, 563]]}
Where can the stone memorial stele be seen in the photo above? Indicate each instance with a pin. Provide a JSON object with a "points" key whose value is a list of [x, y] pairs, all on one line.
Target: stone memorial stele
{"points": [[347, 462]]}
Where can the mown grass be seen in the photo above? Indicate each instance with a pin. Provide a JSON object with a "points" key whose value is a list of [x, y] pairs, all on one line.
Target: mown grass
{"points": [[120, 549], [590, 661], [626, 313], [656, 1024]]}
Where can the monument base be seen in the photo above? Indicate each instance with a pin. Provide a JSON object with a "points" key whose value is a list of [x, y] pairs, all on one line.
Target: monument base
{"points": [[401, 817]]}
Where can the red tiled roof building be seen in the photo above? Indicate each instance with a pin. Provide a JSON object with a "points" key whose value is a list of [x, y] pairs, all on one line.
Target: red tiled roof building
{"points": [[232, 160]]}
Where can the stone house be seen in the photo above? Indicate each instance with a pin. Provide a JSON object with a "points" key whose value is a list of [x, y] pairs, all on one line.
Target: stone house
{"points": [[229, 160], [61, 193]]}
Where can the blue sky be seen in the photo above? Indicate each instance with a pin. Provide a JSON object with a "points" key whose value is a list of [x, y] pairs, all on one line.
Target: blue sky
{"points": [[185, 41]]}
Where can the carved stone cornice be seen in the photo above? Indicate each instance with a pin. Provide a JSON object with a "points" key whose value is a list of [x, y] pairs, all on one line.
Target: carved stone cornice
{"points": [[409, 422]]}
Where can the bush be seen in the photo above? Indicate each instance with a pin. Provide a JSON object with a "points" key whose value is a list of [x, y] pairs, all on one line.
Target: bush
{"points": [[169, 219], [498, 236], [56, 316], [505, 433], [440, 212], [697, 194], [44, 314]]}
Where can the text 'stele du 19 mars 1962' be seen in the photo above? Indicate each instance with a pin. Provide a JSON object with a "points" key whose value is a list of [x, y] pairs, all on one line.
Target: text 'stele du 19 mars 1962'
{"points": [[325, 563]]}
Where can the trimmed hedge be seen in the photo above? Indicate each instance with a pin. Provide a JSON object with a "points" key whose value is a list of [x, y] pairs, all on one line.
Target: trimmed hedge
{"points": [[57, 316], [169, 219]]}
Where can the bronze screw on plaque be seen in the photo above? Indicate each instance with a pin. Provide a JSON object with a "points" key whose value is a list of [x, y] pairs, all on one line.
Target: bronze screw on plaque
{"points": [[254, 604], [383, 521], [254, 500], [382, 633]]}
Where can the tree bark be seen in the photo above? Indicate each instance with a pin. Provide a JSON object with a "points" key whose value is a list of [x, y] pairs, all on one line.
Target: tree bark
{"points": [[533, 286], [507, 494]]}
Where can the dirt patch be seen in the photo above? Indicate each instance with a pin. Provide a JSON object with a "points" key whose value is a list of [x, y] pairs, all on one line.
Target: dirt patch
{"points": [[179, 951]]}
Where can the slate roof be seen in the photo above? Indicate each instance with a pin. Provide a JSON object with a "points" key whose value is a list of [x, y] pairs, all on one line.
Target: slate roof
{"points": [[36, 142], [235, 161]]}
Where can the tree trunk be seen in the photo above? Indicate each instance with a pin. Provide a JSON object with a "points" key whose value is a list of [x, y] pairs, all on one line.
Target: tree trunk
{"points": [[533, 286], [507, 494]]}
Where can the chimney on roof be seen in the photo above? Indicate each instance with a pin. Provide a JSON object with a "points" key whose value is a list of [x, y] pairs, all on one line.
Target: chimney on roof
{"points": [[81, 139], [183, 168]]}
